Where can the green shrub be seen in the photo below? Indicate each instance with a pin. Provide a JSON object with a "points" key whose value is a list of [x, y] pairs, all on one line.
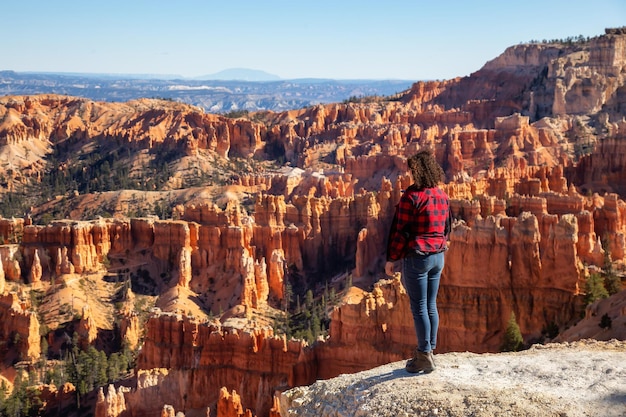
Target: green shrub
{"points": [[513, 340], [236, 114]]}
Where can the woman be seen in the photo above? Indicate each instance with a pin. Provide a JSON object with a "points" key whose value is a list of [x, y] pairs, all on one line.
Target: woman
{"points": [[418, 236]]}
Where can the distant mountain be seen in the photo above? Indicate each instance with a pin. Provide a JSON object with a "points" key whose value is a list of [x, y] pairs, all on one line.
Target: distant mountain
{"points": [[215, 96], [240, 74], [98, 75]]}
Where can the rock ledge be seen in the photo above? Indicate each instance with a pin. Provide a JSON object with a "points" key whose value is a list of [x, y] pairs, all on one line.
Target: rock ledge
{"points": [[584, 378]]}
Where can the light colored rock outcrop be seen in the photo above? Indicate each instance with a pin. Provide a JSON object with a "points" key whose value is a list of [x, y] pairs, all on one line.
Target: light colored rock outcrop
{"points": [[579, 379]]}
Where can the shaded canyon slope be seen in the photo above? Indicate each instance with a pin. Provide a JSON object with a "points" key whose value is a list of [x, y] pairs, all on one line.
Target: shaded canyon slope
{"points": [[187, 235]]}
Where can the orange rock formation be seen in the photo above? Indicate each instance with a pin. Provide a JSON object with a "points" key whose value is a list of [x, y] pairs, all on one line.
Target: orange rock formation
{"points": [[20, 327]]}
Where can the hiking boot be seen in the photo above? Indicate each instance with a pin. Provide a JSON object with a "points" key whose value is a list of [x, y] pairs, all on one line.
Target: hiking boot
{"points": [[420, 362], [432, 359]]}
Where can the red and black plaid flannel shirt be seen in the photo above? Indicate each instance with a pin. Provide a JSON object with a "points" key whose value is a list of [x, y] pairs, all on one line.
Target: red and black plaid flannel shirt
{"points": [[421, 222]]}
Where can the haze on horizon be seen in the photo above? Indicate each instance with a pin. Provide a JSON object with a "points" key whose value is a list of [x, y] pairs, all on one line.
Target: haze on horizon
{"points": [[404, 39]]}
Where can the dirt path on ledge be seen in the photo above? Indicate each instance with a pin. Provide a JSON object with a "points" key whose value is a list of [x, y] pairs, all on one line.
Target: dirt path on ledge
{"points": [[580, 379]]}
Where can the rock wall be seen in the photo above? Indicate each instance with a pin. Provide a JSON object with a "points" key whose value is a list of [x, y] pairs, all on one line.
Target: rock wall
{"points": [[528, 273], [19, 329], [603, 170], [198, 359]]}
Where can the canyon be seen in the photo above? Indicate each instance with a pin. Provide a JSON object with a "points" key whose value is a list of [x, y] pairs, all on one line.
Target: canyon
{"points": [[263, 208]]}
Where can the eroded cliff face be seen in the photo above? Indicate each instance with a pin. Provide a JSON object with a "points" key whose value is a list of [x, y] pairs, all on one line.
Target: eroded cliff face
{"points": [[551, 79], [201, 357], [19, 330], [603, 170], [533, 271]]}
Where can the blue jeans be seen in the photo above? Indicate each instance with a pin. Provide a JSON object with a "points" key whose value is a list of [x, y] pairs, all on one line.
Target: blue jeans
{"points": [[421, 274]]}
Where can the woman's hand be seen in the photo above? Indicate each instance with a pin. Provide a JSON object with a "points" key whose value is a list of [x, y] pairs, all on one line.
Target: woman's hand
{"points": [[389, 266]]}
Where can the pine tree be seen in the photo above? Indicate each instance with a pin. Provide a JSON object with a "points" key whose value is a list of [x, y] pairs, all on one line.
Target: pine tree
{"points": [[513, 340], [43, 358], [288, 295], [308, 335], [308, 299], [605, 321], [612, 282], [44, 348], [128, 358], [349, 281], [326, 292], [113, 367], [16, 403], [316, 325], [332, 298], [594, 289], [101, 369], [3, 397]]}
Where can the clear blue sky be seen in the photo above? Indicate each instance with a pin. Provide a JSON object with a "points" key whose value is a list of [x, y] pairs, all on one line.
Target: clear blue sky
{"points": [[342, 39]]}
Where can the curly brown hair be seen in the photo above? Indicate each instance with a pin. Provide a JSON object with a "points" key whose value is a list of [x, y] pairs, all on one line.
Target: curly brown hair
{"points": [[425, 170]]}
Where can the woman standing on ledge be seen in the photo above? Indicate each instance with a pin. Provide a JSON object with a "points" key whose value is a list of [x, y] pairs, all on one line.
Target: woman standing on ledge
{"points": [[418, 236]]}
